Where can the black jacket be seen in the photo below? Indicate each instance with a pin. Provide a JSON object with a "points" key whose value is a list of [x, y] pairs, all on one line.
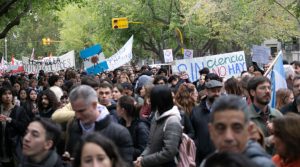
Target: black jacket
{"points": [[14, 131], [292, 107], [52, 160], [113, 111], [117, 133], [28, 106], [200, 118], [187, 125], [139, 131]]}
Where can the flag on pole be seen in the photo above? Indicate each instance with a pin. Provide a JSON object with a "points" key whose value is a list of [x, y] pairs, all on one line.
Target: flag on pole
{"points": [[32, 54], [277, 78]]}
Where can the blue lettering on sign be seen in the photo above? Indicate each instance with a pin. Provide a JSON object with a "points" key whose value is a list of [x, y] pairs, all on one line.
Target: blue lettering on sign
{"points": [[243, 66], [237, 68], [192, 69], [231, 69], [180, 66]]}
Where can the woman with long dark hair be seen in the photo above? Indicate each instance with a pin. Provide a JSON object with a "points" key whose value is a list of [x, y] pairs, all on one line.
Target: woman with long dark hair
{"points": [[13, 123], [30, 105], [165, 132], [97, 150], [138, 128]]}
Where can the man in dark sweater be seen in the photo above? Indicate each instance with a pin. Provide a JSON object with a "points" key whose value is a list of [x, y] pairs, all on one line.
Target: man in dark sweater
{"points": [[94, 117]]}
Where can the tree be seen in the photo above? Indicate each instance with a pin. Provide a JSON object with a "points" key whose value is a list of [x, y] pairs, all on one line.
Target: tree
{"points": [[12, 11], [208, 27]]}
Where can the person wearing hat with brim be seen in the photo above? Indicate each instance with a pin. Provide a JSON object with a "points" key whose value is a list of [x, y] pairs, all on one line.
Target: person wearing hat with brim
{"points": [[200, 118]]}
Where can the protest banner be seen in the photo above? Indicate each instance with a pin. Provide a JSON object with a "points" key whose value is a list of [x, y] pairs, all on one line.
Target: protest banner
{"points": [[123, 56], [261, 54], [168, 55], [49, 64], [188, 54], [225, 65]]}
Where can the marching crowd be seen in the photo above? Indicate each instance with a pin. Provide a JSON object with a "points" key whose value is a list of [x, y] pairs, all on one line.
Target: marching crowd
{"points": [[138, 117]]}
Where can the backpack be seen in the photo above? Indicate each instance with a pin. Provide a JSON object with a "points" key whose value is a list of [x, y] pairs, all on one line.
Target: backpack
{"points": [[187, 150]]}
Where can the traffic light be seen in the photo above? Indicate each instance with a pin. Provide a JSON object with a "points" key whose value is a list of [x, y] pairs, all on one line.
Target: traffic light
{"points": [[46, 41], [119, 23]]}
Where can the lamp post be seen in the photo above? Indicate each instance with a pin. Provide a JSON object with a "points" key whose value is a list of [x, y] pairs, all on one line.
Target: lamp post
{"points": [[5, 51]]}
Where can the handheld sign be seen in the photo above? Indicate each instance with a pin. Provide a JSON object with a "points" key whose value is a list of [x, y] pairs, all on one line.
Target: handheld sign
{"points": [[225, 65]]}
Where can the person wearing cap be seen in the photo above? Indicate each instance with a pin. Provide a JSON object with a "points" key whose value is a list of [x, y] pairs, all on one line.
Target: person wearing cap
{"points": [[200, 118]]}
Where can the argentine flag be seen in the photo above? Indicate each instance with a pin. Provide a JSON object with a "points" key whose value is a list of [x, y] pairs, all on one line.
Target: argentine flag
{"points": [[277, 78]]}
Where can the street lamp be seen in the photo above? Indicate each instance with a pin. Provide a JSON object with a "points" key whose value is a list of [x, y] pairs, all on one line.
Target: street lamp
{"points": [[5, 51]]}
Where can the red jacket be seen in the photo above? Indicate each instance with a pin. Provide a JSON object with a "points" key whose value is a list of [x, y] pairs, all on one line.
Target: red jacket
{"points": [[279, 162]]}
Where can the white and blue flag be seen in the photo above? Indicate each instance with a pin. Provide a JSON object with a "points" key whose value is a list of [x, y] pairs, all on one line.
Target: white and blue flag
{"points": [[277, 78], [94, 60]]}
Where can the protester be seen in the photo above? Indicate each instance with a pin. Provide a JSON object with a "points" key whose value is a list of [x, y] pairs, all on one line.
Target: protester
{"points": [[123, 78], [13, 123], [128, 111], [22, 96], [289, 75], [229, 129], [160, 80], [283, 97], [233, 86], [117, 92], [97, 150], [186, 97], [165, 132], [55, 83], [94, 117], [105, 98], [260, 113], [296, 66], [39, 142], [199, 84], [145, 92], [292, 107], [286, 140], [200, 117], [47, 103], [31, 106]]}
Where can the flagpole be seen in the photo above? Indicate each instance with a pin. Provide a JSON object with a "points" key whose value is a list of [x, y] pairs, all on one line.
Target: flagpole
{"points": [[271, 65]]}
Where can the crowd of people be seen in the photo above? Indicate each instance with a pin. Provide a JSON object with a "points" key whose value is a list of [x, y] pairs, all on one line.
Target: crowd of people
{"points": [[136, 117]]}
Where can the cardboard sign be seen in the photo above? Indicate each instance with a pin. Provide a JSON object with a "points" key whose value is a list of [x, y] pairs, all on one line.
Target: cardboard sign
{"points": [[188, 54], [261, 54], [225, 65], [168, 55]]}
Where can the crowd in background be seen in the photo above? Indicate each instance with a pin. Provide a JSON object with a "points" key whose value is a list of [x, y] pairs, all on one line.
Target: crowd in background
{"points": [[136, 117]]}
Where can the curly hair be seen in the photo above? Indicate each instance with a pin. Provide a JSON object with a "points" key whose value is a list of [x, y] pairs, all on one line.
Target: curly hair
{"points": [[53, 102], [282, 95], [184, 99]]}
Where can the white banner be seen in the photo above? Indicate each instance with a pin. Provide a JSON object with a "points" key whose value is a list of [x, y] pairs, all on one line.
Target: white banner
{"points": [[188, 54], [225, 65], [123, 56], [49, 64], [168, 55]]}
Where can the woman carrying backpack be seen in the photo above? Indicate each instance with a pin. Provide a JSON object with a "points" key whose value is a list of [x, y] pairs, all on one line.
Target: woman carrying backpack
{"points": [[165, 131]]}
